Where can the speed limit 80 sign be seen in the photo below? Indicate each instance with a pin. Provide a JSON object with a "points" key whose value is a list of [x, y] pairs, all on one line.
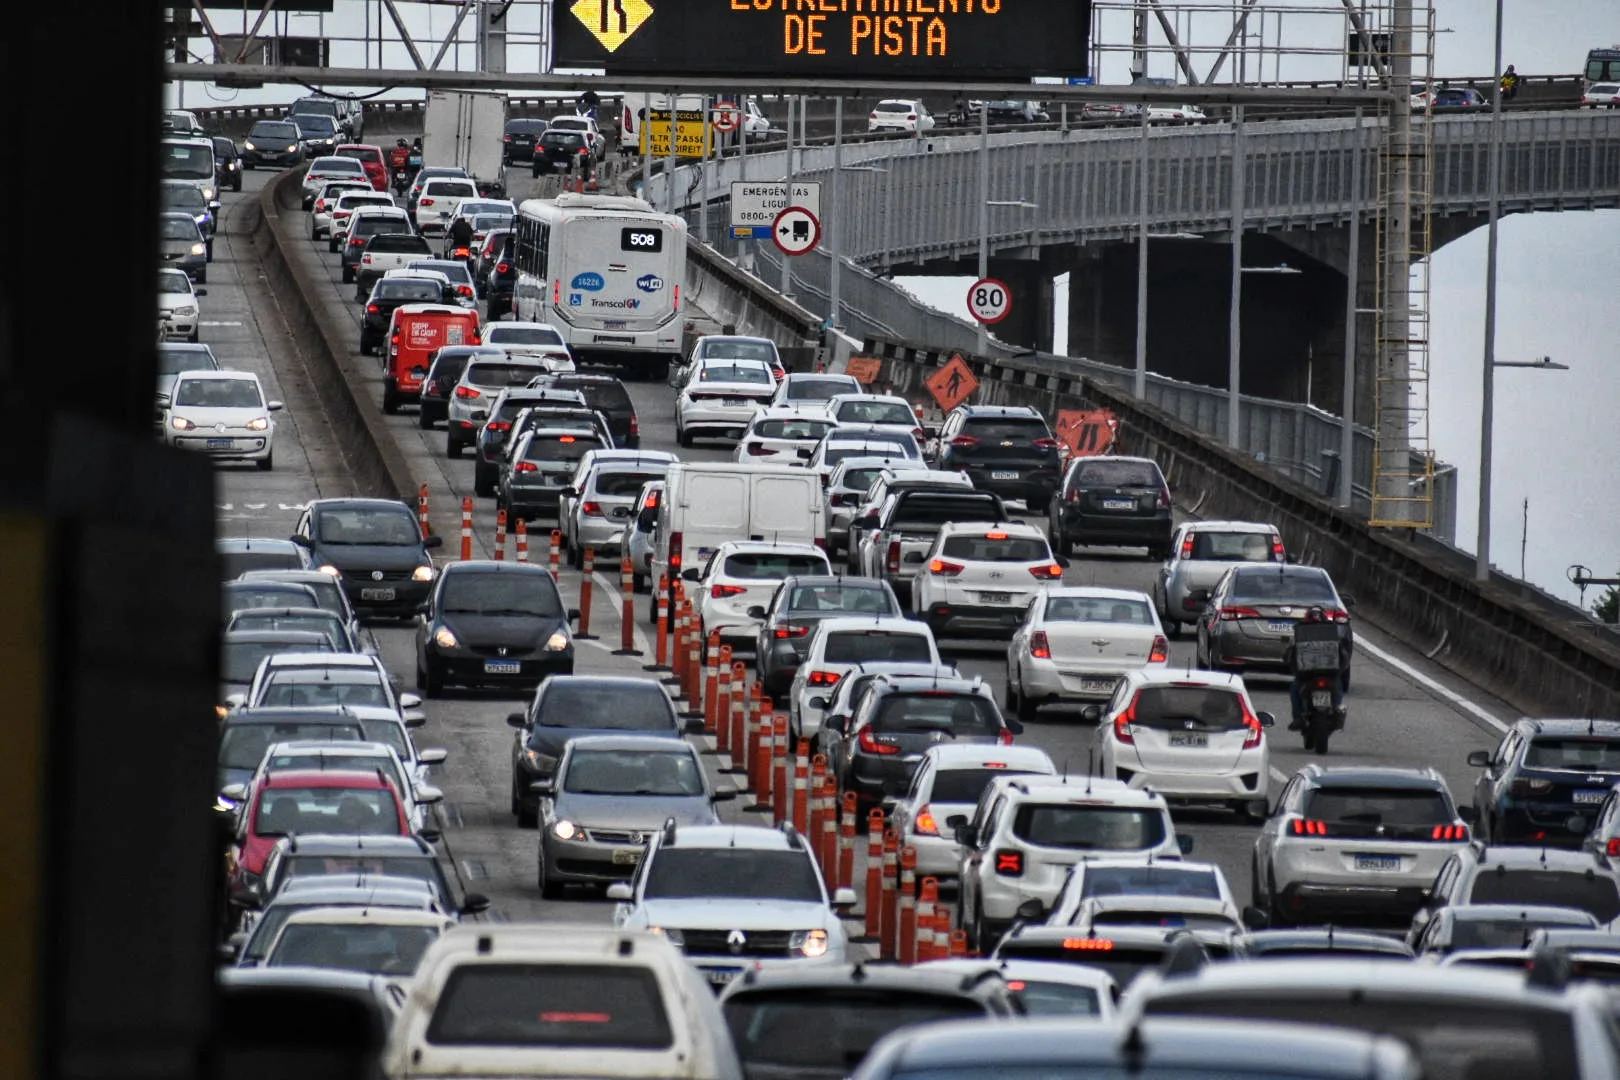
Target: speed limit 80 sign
{"points": [[989, 300]]}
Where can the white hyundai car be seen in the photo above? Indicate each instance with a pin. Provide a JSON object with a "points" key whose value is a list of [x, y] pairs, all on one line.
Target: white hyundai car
{"points": [[720, 397], [223, 414], [978, 578], [1076, 642]]}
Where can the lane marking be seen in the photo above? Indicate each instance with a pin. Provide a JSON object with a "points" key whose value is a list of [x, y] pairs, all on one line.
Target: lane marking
{"points": [[206, 322], [1434, 686], [612, 588]]}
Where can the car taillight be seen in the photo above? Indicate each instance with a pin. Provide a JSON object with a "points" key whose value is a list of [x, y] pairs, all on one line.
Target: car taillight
{"points": [[870, 745], [1046, 444], [1039, 647], [893, 560], [1277, 552], [1251, 741], [945, 569], [356, 241], [501, 268], [1187, 546], [677, 298], [759, 450], [1523, 787], [821, 677], [1049, 572], [499, 426], [911, 116], [674, 553], [1123, 722], [836, 499], [591, 509], [1613, 847], [427, 202], [1449, 832], [1337, 615], [1006, 737], [464, 290], [723, 591], [526, 466], [964, 440], [1303, 827], [1088, 944], [466, 392], [1164, 499], [506, 138], [782, 633], [925, 825], [1160, 653], [365, 259], [1010, 863], [873, 116], [373, 309], [320, 205], [556, 293], [1233, 614]]}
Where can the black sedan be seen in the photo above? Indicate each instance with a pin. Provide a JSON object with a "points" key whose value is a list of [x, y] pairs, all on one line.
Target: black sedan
{"points": [[227, 162], [787, 622], [490, 623], [519, 141], [375, 547]]}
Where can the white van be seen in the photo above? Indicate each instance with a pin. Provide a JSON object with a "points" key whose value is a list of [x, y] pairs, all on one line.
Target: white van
{"points": [[705, 504], [558, 1001]]}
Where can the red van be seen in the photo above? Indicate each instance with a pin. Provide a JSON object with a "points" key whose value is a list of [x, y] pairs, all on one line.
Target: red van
{"points": [[415, 333], [371, 159]]}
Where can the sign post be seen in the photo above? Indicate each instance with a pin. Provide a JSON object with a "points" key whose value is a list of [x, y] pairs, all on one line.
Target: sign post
{"points": [[989, 300], [754, 206]]}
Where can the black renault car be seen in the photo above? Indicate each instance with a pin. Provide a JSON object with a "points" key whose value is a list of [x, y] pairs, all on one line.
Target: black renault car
{"points": [[376, 548], [558, 151], [490, 623], [1007, 449]]}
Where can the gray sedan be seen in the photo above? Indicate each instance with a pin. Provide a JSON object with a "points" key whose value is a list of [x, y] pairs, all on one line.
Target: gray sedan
{"points": [[1248, 620], [608, 796]]}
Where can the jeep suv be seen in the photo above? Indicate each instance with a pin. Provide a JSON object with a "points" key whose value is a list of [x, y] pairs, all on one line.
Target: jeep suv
{"points": [[1009, 450]]}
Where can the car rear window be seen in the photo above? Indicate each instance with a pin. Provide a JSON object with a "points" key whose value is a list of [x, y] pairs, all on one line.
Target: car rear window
{"points": [[1124, 964], [496, 374], [1098, 609], [865, 646], [770, 565], [1234, 547], [524, 335], [876, 412], [1499, 933], [620, 708], [1579, 754], [1595, 893], [1155, 879], [350, 811], [242, 746], [831, 1028], [545, 447], [937, 511], [740, 350], [350, 202], [1142, 474], [894, 106], [294, 689], [421, 291], [1378, 806], [609, 1006], [399, 243], [1188, 708], [791, 429], [234, 564], [239, 660], [1006, 427], [996, 547], [604, 394], [816, 389], [838, 598], [372, 224], [872, 445], [623, 485], [965, 785], [1275, 587], [450, 187], [735, 373], [1094, 827], [380, 948], [937, 712]]}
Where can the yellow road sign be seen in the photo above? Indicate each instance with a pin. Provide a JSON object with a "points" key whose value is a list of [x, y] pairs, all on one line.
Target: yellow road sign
{"points": [[692, 133], [611, 22]]}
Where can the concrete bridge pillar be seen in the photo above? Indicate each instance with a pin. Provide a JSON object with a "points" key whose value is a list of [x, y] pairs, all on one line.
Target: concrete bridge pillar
{"points": [[1029, 323]]}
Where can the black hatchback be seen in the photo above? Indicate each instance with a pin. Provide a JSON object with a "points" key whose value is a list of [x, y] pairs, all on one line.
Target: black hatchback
{"points": [[518, 143], [1113, 500], [606, 395], [498, 624], [558, 150], [375, 547], [1008, 450]]}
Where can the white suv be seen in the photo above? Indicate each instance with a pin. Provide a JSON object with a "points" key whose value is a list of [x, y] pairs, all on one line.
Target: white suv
{"points": [[979, 576], [743, 574], [734, 896], [1135, 877], [839, 645], [1028, 830]]}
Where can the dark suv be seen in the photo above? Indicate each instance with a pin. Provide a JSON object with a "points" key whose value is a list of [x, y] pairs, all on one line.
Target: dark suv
{"points": [[1503, 874], [1113, 500], [495, 437], [520, 139], [1005, 449], [541, 464], [500, 283], [606, 395], [1546, 780]]}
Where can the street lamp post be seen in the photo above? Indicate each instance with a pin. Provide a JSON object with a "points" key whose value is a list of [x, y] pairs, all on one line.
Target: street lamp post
{"points": [[983, 335], [1234, 329], [1139, 384]]}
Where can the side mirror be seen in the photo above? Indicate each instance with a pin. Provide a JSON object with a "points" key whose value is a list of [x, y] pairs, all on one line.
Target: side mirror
{"points": [[691, 573], [620, 891], [956, 821], [431, 835], [543, 788], [964, 835], [838, 725], [235, 701], [1030, 910], [573, 614], [434, 541], [723, 795], [517, 720], [427, 796], [843, 897], [1014, 725], [433, 755], [204, 292], [237, 793], [301, 541], [1349, 601], [227, 952], [1255, 919], [817, 702], [409, 701], [802, 454], [1059, 559], [1184, 844], [1092, 714], [756, 612], [474, 903], [414, 718], [1266, 719], [693, 726], [869, 521], [1199, 596], [1469, 815], [1480, 759]]}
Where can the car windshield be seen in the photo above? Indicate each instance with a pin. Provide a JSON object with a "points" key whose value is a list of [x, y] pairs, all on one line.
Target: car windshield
{"points": [[641, 706], [368, 947], [180, 229], [773, 565], [612, 1006], [363, 811], [1271, 587], [1006, 428], [928, 712], [1378, 806], [996, 547], [173, 281], [242, 746], [1055, 998], [359, 526], [859, 479], [1574, 753], [335, 759], [274, 131], [497, 593], [524, 335], [185, 160], [173, 360], [845, 597], [1594, 893], [1233, 547], [1094, 827], [240, 659], [831, 1027], [316, 124], [1130, 474], [1188, 708], [1156, 879], [876, 412], [633, 772], [862, 646], [219, 394], [181, 197], [966, 785], [1104, 609], [1454, 1041], [815, 389], [677, 873], [810, 430], [323, 688], [623, 485], [571, 447]]}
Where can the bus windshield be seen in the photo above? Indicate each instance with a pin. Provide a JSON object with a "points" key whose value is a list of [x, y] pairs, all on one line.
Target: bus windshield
{"points": [[1603, 65]]}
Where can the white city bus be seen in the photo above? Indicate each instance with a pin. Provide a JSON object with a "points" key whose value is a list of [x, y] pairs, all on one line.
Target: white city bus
{"points": [[606, 270]]}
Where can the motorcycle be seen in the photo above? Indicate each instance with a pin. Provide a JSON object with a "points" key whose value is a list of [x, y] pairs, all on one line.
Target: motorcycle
{"points": [[402, 182], [1319, 717]]}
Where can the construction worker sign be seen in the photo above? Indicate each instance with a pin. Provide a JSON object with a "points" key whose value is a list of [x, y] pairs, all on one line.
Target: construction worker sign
{"points": [[1087, 432], [952, 384]]}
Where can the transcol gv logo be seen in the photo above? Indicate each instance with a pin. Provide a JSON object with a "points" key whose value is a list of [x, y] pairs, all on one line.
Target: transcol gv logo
{"points": [[629, 303], [649, 283], [589, 281]]}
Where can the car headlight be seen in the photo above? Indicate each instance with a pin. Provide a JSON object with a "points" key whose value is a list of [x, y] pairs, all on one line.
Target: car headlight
{"points": [[186, 312], [199, 249], [292, 148], [208, 193], [249, 146], [231, 166], [258, 423], [675, 937], [564, 830], [180, 423], [809, 942], [422, 573], [330, 570], [222, 711], [540, 762], [557, 642], [444, 638]]}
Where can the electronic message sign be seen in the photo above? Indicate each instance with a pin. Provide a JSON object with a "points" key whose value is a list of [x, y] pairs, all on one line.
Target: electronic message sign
{"points": [[875, 39]]}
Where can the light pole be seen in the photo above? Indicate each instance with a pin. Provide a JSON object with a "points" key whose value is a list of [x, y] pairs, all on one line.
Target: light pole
{"points": [[1482, 549], [983, 334], [1234, 323], [1139, 385]]}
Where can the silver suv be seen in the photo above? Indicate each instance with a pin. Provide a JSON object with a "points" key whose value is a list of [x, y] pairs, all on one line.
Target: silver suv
{"points": [[1200, 552]]}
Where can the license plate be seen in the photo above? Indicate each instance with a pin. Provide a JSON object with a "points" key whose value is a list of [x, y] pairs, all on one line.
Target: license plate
{"points": [[1589, 797], [1321, 699], [1097, 686], [734, 401], [995, 597], [1119, 504], [376, 594], [220, 444], [1277, 626], [626, 856], [503, 667], [1378, 862], [1004, 476], [720, 976], [1182, 738]]}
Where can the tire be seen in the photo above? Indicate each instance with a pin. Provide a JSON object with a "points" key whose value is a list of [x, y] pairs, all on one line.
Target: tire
{"points": [[1026, 709], [194, 337], [683, 438], [576, 557], [483, 482], [238, 185], [431, 683], [390, 400], [1254, 885], [366, 345], [976, 934], [452, 446], [348, 275], [202, 277], [549, 890], [639, 584], [267, 462], [527, 817], [1344, 683], [1319, 738], [332, 244], [1172, 628], [314, 234], [1010, 697]]}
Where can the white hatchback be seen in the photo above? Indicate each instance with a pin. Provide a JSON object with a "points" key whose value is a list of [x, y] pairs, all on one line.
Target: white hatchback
{"points": [[980, 578], [535, 340], [1188, 735], [333, 222], [900, 114], [223, 414], [178, 312], [441, 197], [949, 782], [839, 645], [320, 211], [1076, 642], [776, 436], [743, 574]]}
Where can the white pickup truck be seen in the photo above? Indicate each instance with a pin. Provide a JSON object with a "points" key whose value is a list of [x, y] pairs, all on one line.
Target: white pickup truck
{"points": [[385, 252]]}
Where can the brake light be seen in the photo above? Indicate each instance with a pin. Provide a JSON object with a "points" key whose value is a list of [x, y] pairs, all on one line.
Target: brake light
{"points": [[500, 425], [427, 202], [723, 591], [893, 561], [1613, 846], [466, 392], [675, 552], [870, 745], [1088, 944], [911, 116], [565, 438], [677, 295], [964, 440], [526, 466], [1233, 614], [1521, 787], [1160, 653], [782, 633], [506, 138], [356, 241], [1164, 499], [759, 450], [1051, 571], [652, 496], [1449, 832], [556, 293], [1123, 722], [836, 499], [1303, 827], [635, 429], [1187, 546], [320, 205], [1010, 863], [873, 116], [1337, 615], [366, 259], [1046, 444], [823, 678], [925, 825], [1006, 737], [373, 309], [1039, 647], [591, 509], [1252, 722], [945, 569], [1277, 552], [464, 290], [995, 536], [501, 268]]}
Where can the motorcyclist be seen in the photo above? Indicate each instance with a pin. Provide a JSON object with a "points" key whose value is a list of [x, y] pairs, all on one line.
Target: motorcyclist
{"points": [[460, 235], [1317, 649], [1510, 84], [400, 156]]}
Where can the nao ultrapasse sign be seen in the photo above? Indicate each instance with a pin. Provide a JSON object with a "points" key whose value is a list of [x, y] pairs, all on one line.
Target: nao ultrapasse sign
{"points": [[890, 39]]}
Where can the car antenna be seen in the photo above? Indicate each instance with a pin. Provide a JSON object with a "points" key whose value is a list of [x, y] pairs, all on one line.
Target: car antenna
{"points": [[1090, 768], [1330, 935], [1589, 730], [1065, 770]]}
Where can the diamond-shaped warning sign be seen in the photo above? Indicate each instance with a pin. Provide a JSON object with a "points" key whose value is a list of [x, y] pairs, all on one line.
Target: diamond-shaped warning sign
{"points": [[612, 22]]}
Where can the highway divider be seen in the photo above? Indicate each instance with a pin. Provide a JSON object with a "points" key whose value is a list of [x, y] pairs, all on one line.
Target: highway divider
{"points": [[1541, 664], [371, 458]]}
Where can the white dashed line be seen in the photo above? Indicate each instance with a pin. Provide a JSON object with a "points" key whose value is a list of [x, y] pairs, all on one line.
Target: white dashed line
{"points": [[1434, 686]]}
